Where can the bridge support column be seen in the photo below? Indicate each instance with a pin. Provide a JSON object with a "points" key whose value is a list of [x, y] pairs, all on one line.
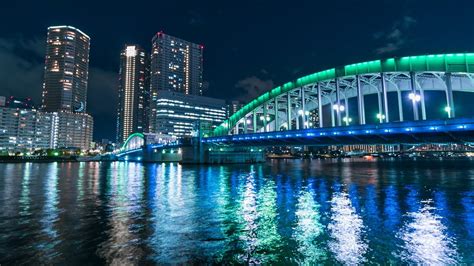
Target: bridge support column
{"points": [[449, 96], [297, 120], [333, 122], [338, 102], [254, 118], [320, 106], [385, 98], [288, 111], [245, 125], [413, 90], [346, 107], [379, 101], [265, 113], [360, 101], [422, 100], [277, 128], [303, 108], [400, 104]]}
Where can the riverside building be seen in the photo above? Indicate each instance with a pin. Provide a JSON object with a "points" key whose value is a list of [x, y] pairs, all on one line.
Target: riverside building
{"points": [[178, 113]]}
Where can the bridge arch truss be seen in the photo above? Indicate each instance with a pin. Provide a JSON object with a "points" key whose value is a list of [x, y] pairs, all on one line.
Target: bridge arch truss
{"points": [[327, 98]]}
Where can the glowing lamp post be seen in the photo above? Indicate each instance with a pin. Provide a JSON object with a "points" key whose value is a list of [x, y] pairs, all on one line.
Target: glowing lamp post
{"points": [[347, 120], [414, 97], [338, 108], [380, 117], [448, 110]]}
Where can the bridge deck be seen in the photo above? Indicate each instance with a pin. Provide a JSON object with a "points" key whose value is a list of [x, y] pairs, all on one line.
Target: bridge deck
{"points": [[411, 132]]}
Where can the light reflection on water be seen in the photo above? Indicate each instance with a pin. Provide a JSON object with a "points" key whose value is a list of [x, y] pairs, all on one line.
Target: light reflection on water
{"points": [[308, 229], [346, 229], [289, 212], [426, 240]]}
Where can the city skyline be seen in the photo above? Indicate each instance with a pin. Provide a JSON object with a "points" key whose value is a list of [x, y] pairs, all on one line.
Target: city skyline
{"points": [[243, 58], [237, 132]]}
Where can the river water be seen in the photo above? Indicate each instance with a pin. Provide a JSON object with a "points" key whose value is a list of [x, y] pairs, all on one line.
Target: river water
{"points": [[282, 212]]}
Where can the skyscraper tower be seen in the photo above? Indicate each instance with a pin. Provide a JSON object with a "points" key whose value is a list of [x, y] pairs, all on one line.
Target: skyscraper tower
{"points": [[66, 70], [176, 65], [133, 92]]}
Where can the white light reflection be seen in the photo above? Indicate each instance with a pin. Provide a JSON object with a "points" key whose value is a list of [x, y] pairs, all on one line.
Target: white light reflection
{"points": [[346, 229], [308, 229], [249, 214], [50, 209], [25, 199], [425, 239]]}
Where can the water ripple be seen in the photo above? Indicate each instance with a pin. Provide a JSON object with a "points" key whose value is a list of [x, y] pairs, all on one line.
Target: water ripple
{"points": [[346, 229], [425, 239]]}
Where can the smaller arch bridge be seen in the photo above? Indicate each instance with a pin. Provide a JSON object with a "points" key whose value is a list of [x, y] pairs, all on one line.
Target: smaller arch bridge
{"points": [[133, 144]]}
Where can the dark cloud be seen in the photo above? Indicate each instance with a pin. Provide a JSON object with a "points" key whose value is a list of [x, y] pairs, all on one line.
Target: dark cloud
{"points": [[397, 37], [21, 68], [252, 87]]}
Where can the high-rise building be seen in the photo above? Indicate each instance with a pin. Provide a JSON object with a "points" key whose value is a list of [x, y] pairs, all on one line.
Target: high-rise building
{"points": [[66, 70], [66, 74], [177, 113], [133, 92], [176, 65]]}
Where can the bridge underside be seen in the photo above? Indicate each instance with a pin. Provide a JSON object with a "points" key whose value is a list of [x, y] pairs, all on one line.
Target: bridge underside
{"points": [[413, 132]]}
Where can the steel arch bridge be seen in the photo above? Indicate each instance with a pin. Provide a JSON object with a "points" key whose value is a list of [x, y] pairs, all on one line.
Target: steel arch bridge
{"points": [[325, 99], [133, 144]]}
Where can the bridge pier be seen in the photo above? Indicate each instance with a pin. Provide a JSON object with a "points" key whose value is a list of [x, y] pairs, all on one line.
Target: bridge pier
{"points": [[199, 153]]}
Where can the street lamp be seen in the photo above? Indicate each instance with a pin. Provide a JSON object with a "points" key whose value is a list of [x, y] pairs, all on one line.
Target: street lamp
{"points": [[414, 97], [347, 120], [380, 117], [447, 109], [339, 108]]}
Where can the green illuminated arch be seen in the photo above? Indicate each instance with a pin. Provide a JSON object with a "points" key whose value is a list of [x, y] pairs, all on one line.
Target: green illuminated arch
{"points": [[461, 62], [139, 135]]}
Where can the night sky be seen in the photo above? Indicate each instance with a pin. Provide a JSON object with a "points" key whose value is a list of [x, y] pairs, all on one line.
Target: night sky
{"points": [[250, 46]]}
